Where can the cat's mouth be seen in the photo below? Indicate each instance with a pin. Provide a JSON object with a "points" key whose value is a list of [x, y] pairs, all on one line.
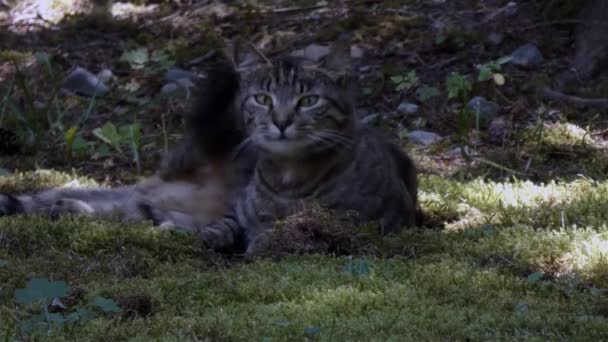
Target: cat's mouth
{"points": [[282, 145]]}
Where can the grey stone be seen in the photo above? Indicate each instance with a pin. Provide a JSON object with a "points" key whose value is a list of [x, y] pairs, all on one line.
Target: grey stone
{"points": [[313, 51], [105, 75], [495, 38], [423, 137], [83, 82], [527, 56], [176, 74], [456, 152], [169, 88], [317, 52], [181, 86], [408, 108], [356, 52], [485, 111]]}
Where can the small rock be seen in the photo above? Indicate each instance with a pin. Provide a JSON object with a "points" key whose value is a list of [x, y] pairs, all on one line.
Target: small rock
{"points": [[456, 152], [180, 87], [356, 52], [423, 137], [527, 56], [408, 108], [495, 38], [485, 111], [105, 75], [169, 88], [365, 68], [81, 81], [499, 130], [314, 52], [176, 74]]}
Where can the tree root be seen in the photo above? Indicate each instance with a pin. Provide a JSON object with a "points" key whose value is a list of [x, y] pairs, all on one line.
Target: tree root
{"points": [[573, 100]]}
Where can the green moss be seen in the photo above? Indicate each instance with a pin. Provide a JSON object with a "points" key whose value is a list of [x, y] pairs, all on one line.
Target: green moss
{"points": [[466, 280]]}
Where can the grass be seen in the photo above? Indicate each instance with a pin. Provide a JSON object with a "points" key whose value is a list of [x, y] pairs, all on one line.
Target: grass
{"points": [[508, 261]]}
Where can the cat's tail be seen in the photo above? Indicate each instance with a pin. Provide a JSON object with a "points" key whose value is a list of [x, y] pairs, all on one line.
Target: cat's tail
{"points": [[213, 129]]}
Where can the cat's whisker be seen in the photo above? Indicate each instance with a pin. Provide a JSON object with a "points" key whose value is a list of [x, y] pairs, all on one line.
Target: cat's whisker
{"points": [[336, 138], [241, 147]]}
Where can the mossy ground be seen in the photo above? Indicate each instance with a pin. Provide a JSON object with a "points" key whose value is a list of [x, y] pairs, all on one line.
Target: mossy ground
{"points": [[516, 243], [467, 278]]}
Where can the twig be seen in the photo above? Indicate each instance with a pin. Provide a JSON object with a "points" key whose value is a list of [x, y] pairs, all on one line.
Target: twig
{"points": [[573, 100], [498, 166]]}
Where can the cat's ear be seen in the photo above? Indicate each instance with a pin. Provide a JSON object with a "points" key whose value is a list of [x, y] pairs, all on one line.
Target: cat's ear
{"points": [[245, 55], [338, 61]]}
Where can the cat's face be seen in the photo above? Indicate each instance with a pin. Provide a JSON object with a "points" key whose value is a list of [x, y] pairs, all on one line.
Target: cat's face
{"points": [[292, 108]]}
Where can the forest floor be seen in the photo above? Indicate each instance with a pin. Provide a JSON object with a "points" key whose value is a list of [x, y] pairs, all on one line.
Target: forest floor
{"points": [[515, 246]]}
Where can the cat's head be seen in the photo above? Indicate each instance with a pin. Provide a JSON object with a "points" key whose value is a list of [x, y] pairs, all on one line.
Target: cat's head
{"points": [[292, 107]]}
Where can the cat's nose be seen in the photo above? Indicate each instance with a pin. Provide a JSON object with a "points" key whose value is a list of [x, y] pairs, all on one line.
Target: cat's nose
{"points": [[282, 124]]}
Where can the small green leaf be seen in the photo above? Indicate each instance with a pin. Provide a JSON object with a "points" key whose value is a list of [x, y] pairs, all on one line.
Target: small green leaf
{"points": [[426, 92], [35, 323], [595, 291], [80, 316], [132, 86], [458, 86], [283, 323], [40, 288], [80, 146], [535, 277], [106, 305], [136, 58], [357, 268], [69, 139], [397, 79], [484, 74], [44, 59], [109, 135], [312, 331], [504, 60]]}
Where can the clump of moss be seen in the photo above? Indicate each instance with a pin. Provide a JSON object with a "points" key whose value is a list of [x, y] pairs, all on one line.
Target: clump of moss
{"points": [[316, 230]]}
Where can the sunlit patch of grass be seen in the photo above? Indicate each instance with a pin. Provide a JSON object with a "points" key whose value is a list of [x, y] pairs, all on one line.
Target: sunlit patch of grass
{"points": [[541, 152], [41, 179]]}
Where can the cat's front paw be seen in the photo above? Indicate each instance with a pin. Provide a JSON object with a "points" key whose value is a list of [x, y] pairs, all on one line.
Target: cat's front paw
{"points": [[9, 205]]}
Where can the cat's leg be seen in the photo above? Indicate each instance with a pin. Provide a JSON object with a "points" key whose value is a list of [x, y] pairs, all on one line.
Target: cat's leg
{"points": [[99, 202], [222, 235], [70, 206]]}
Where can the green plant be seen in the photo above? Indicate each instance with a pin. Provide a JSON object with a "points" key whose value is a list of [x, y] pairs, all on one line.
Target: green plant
{"points": [[405, 82], [38, 118], [460, 87], [141, 57], [45, 292], [492, 70], [126, 135], [40, 290], [426, 92]]}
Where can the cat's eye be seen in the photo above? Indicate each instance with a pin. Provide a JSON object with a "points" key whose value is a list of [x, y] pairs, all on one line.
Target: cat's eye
{"points": [[263, 99], [308, 101]]}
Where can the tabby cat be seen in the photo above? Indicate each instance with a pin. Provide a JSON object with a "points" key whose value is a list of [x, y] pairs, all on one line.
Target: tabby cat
{"points": [[291, 140]]}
